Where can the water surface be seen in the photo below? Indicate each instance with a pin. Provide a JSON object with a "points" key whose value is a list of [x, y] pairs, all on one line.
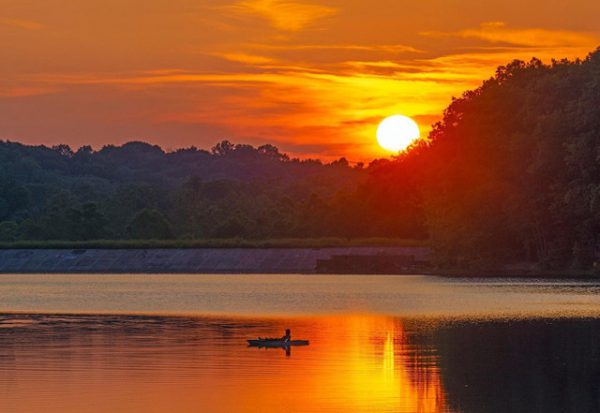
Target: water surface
{"points": [[301, 295], [100, 343]]}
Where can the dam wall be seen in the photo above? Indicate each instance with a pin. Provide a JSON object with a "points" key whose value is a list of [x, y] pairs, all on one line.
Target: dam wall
{"points": [[214, 260]]}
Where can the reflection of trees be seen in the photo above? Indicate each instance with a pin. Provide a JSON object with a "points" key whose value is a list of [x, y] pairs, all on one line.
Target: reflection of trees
{"points": [[525, 366], [419, 359], [377, 364]]}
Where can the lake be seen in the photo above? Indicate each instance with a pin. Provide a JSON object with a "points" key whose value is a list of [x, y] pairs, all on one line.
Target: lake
{"points": [[177, 343]]}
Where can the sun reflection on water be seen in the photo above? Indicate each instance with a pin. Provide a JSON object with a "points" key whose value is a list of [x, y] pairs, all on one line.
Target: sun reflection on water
{"points": [[124, 364], [374, 365]]}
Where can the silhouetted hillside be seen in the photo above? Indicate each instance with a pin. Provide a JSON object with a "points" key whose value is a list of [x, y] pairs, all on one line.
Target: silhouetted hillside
{"points": [[512, 172], [138, 191], [510, 176]]}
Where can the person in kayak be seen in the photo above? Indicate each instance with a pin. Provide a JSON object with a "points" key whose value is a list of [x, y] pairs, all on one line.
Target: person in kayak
{"points": [[288, 335]]}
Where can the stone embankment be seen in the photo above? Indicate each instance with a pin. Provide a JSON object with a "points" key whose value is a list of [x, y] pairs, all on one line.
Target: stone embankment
{"points": [[215, 260]]}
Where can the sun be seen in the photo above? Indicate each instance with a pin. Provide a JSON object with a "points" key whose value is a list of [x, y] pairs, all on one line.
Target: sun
{"points": [[396, 133]]}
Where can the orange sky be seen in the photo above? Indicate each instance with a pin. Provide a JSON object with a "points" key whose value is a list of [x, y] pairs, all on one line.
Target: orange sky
{"points": [[313, 77]]}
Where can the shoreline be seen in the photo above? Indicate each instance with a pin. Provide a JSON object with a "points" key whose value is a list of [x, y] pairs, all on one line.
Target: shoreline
{"points": [[363, 260], [212, 260], [220, 243]]}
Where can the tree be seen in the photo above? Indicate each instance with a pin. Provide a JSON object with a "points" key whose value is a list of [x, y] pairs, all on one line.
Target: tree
{"points": [[63, 150], [91, 222], [510, 172], [233, 227], [223, 148], [150, 224], [9, 231]]}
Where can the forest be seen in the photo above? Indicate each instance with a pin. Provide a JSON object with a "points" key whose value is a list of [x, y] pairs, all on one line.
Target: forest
{"points": [[510, 175], [138, 191]]}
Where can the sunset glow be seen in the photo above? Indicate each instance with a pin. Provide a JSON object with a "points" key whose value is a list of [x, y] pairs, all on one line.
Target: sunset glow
{"points": [[311, 77], [369, 362], [310, 206]]}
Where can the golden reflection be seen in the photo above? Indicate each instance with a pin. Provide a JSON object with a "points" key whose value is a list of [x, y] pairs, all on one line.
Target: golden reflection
{"points": [[389, 356], [353, 364], [366, 362]]}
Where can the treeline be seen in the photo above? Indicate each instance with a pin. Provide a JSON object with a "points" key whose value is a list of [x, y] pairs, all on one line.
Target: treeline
{"points": [[512, 172], [138, 191], [510, 175]]}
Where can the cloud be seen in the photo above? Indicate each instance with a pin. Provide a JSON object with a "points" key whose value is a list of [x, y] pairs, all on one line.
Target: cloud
{"points": [[283, 14], [499, 32], [246, 58], [335, 107], [387, 48], [21, 24], [299, 107], [16, 92], [292, 104], [224, 72]]}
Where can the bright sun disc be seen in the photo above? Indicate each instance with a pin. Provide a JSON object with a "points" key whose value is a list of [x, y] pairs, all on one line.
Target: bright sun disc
{"points": [[396, 133]]}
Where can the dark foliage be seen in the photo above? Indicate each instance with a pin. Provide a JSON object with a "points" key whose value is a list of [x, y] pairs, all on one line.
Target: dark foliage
{"points": [[511, 175], [512, 172], [138, 191]]}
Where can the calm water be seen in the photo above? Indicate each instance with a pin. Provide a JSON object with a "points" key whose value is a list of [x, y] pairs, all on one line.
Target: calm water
{"points": [[128, 343]]}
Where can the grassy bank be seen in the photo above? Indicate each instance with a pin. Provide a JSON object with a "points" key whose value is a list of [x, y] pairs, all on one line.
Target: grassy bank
{"points": [[216, 243]]}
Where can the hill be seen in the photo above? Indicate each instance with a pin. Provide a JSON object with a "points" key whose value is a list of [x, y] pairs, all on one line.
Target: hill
{"points": [[139, 191], [509, 178], [512, 172]]}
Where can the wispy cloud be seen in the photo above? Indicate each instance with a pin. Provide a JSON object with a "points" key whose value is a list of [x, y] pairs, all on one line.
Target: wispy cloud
{"points": [[314, 76], [312, 103], [500, 32], [283, 14], [21, 23], [297, 106], [387, 48], [26, 91], [245, 58]]}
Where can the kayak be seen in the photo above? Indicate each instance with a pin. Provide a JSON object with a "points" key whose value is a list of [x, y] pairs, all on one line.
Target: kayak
{"points": [[262, 342]]}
